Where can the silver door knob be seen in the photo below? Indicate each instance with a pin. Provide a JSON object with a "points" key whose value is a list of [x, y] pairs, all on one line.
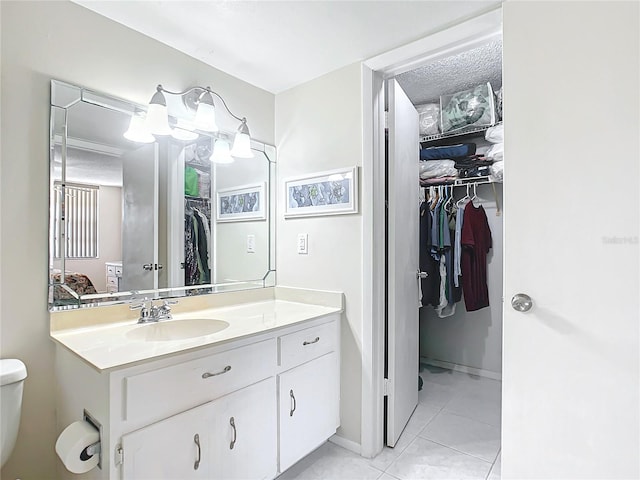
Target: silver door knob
{"points": [[422, 275], [521, 302], [148, 267]]}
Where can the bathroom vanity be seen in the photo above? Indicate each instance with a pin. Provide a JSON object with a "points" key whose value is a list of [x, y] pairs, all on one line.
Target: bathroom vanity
{"points": [[237, 385]]}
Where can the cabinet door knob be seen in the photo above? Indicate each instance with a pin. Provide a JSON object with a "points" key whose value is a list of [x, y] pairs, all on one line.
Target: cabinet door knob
{"points": [[232, 422], [293, 403], [196, 439]]}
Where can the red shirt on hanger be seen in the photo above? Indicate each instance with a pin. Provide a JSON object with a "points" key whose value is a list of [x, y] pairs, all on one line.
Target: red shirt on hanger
{"points": [[476, 242]]}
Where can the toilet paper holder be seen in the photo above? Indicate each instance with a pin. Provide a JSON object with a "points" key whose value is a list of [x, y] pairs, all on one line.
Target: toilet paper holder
{"points": [[94, 448]]}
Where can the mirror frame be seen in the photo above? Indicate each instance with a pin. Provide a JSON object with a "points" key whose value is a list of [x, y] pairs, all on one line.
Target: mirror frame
{"points": [[64, 96]]}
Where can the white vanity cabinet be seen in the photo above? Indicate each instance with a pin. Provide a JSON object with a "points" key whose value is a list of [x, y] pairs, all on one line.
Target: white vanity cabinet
{"points": [[308, 393], [233, 437], [246, 408]]}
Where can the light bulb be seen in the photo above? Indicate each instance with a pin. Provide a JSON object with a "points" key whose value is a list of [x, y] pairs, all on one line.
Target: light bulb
{"points": [[137, 131], [206, 114], [157, 121], [242, 142], [221, 152]]}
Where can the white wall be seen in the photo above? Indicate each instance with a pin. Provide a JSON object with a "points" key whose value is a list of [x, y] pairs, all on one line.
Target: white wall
{"points": [[473, 339], [318, 127], [109, 239], [40, 41]]}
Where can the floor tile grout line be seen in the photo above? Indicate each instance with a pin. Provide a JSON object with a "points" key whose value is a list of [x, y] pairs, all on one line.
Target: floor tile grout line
{"points": [[451, 412], [459, 451], [494, 464]]}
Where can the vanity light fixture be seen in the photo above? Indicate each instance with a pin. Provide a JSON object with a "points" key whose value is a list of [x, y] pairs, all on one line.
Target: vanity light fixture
{"points": [[221, 152], [157, 121], [205, 117], [137, 131]]}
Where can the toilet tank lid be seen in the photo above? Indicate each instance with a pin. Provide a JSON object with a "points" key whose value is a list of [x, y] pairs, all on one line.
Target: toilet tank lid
{"points": [[11, 371]]}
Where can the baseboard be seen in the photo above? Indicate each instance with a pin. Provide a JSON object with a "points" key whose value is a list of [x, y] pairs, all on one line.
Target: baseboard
{"points": [[345, 443], [462, 368]]}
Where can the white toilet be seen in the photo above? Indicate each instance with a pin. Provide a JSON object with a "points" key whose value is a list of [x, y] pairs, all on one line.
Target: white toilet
{"points": [[12, 375]]}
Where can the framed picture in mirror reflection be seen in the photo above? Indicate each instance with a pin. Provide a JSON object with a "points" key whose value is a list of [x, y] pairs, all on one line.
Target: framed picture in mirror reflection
{"points": [[242, 203]]}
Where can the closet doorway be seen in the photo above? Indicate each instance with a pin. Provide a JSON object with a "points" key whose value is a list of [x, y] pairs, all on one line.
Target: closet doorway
{"points": [[395, 336], [457, 340]]}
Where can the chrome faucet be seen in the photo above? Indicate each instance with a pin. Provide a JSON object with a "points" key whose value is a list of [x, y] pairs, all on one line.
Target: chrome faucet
{"points": [[153, 313]]}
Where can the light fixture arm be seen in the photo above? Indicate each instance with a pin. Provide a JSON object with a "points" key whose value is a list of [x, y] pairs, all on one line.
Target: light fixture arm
{"points": [[160, 88]]}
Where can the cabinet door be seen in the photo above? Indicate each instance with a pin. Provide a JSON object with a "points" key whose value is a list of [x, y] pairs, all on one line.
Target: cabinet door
{"points": [[309, 397], [244, 439], [170, 449]]}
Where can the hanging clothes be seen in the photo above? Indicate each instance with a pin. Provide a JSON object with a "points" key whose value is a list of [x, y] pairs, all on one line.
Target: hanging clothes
{"points": [[476, 242], [191, 272], [196, 246], [430, 285]]}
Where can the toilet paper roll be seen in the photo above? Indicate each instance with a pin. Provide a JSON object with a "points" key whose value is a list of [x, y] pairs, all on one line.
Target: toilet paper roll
{"points": [[71, 445]]}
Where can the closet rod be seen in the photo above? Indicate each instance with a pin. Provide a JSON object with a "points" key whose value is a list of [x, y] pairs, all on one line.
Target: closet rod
{"points": [[467, 182]]}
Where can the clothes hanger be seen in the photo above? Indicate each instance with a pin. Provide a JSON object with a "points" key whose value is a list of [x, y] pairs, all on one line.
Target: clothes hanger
{"points": [[475, 193], [451, 205], [463, 199]]}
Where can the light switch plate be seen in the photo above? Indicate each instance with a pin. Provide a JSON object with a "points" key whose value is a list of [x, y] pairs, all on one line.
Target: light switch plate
{"points": [[251, 244], [303, 243]]}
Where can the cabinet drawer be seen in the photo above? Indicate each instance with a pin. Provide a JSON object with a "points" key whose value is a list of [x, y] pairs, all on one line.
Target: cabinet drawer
{"points": [[112, 281], [111, 270], [118, 271], [160, 393], [307, 344]]}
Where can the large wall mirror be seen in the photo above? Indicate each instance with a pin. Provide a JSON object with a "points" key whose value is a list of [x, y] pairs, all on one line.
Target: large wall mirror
{"points": [[130, 220]]}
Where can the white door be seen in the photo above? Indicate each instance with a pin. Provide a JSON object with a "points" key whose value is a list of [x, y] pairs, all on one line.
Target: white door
{"points": [[403, 262], [140, 219], [571, 363], [173, 449]]}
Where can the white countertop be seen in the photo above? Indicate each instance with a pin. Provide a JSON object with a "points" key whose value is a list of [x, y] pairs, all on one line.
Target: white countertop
{"points": [[108, 346]]}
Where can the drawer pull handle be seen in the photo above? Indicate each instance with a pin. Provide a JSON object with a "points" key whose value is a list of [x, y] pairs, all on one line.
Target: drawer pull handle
{"points": [[196, 439], [316, 340], [293, 403], [232, 422], [222, 372]]}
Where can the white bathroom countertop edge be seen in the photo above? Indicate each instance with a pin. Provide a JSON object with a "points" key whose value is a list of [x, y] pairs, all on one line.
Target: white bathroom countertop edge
{"points": [[109, 346]]}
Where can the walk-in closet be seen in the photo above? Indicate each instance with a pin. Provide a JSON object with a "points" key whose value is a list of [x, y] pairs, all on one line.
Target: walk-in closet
{"points": [[459, 221]]}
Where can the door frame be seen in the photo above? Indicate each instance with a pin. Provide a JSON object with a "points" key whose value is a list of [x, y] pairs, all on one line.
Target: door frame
{"points": [[465, 34]]}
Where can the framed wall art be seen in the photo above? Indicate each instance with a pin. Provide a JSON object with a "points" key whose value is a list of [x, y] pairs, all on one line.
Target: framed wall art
{"points": [[324, 193], [240, 204]]}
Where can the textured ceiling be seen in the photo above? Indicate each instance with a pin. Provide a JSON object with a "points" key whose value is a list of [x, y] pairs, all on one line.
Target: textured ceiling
{"points": [[453, 74], [276, 45]]}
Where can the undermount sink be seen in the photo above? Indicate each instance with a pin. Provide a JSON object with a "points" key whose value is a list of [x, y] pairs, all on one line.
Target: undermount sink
{"points": [[167, 330]]}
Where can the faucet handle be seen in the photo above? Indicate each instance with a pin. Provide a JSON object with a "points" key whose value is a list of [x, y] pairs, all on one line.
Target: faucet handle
{"points": [[166, 303], [138, 306]]}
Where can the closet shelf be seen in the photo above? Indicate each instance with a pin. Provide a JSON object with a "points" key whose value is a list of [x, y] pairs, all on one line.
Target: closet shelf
{"points": [[465, 181], [458, 133]]}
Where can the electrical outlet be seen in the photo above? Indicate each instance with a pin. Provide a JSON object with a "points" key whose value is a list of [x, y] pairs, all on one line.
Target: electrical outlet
{"points": [[303, 244], [251, 244]]}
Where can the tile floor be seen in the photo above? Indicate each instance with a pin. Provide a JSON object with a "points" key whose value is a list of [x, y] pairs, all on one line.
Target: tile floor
{"points": [[454, 434]]}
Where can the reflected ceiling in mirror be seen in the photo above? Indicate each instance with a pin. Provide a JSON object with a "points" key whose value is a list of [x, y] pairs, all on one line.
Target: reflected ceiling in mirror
{"points": [[168, 218]]}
